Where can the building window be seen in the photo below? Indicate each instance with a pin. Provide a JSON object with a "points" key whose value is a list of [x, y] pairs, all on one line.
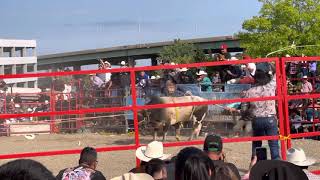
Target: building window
{"points": [[19, 69], [20, 84], [30, 68], [8, 69], [31, 84]]}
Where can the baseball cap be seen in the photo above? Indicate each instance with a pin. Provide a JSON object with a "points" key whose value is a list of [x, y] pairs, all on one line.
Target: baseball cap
{"points": [[224, 46], [213, 143]]}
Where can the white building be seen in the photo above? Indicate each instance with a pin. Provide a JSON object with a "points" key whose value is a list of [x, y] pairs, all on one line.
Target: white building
{"points": [[18, 57]]}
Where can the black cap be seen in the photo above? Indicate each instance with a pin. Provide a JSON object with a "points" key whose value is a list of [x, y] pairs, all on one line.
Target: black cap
{"points": [[213, 143]]}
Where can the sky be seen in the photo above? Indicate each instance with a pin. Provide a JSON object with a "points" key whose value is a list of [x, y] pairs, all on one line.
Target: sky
{"points": [[71, 25]]}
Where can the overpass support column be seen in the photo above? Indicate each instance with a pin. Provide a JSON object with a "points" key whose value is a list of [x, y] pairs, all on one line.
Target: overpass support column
{"points": [[131, 62], [154, 61]]}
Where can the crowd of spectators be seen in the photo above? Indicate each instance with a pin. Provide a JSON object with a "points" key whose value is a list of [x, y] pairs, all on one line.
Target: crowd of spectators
{"points": [[190, 163]]}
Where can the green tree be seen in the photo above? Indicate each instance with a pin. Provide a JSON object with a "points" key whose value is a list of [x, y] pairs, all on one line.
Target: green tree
{"points": [[181, 52], [280, 24]]}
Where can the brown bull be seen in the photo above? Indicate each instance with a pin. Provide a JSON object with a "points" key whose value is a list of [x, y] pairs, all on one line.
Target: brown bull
{"points": [[163, 118]]}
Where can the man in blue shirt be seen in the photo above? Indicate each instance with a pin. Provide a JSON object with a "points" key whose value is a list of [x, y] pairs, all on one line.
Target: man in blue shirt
{"points": [[204, 81]]}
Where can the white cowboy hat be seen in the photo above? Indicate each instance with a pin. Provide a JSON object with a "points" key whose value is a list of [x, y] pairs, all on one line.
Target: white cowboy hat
{"points": [[131, 176], [172, 63], [305, 77], [30, 136], [183, 69], [201, 72], [123, 63], [234, 59], [107, 63], [153, 77], [298, 157], [158, 77], [151, 151]]}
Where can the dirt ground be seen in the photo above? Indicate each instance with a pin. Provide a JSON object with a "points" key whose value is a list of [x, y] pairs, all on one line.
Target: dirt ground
{"points": [[116, 163]]}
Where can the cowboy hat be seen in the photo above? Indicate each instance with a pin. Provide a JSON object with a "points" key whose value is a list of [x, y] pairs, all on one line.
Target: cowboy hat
{"points": [[151, 151], [298, 157], [201, 72], [234, 59], [153, 77], [29, 136], [107, 63], [123, 63], [183, 69], [132, 176], [305, 77]]}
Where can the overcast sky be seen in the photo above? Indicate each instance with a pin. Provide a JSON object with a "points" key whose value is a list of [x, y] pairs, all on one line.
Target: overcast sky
{"points": [[69, 25]]}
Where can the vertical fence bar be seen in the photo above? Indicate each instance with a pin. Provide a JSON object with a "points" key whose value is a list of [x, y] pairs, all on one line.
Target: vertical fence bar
{"points": [[135, 111], [286, 103], [282, 126]]}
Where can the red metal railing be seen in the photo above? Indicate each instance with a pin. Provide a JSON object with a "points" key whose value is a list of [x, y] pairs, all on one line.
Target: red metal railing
{"points": [[281, 97]]}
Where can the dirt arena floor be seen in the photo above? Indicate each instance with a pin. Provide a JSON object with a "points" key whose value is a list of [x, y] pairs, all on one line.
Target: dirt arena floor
{"points": [[116, 163]]}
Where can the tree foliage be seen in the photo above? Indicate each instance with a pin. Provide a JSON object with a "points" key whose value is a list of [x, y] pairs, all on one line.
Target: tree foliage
{"points": [[181, 52], [280, 24]]}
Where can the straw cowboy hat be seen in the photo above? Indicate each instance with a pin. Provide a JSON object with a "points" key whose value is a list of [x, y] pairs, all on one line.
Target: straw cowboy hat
{"points": [[298, 157], [201, 72], [151, 151], [132, 176]]}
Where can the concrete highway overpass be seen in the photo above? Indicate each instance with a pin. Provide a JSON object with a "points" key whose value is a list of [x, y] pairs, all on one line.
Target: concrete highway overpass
{"points": [[129, 53]]}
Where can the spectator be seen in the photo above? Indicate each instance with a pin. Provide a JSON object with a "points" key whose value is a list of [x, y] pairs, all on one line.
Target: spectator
{"points": [[304, 68], [197, 166], [171, 90], [213, 147], [298, 157], [216, 78], [25, 169], [204, 81], [132, 176], [224, 52], [224, 172], [265, 122], [250, 70], [185, 76], [105, 77], [157, 169], [313, 68], [143, 82], [306, 85], [86, 168], [146, 153], [192, 163], [181, 159], [192, 153], [96, 81], [295, 119], [276, 170]]}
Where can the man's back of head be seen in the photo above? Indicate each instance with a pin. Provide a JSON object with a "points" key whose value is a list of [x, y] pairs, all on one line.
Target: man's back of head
{"points": [[25, 169], [213, 147], [88, 157]]}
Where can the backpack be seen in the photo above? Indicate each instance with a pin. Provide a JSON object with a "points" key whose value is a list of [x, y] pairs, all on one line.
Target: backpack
{"points": [[78, 173]]}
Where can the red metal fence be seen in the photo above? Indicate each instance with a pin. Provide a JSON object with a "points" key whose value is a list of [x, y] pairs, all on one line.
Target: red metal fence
{"points": [[281, 97]]}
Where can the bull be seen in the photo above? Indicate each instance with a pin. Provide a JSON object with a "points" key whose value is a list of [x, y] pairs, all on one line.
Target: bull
{"points": [[163, 118]]}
